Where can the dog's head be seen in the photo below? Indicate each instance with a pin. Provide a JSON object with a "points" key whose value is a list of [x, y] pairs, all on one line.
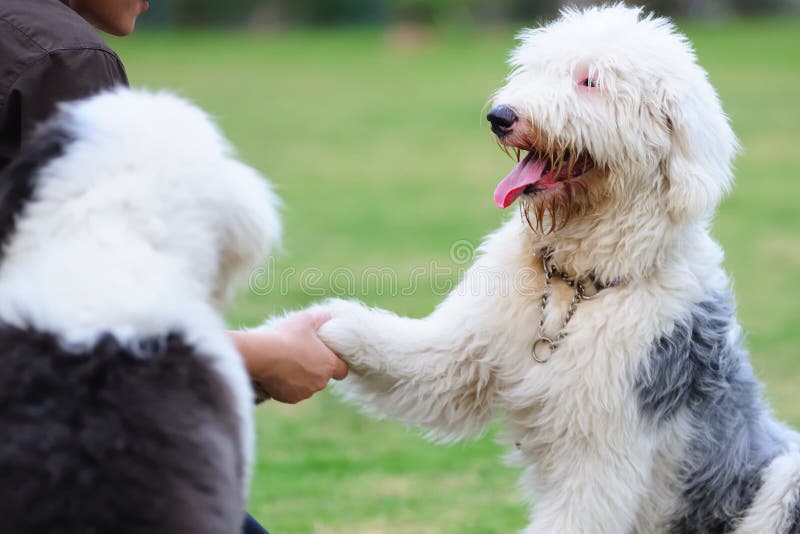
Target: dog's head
{"points": [[139, 181], [610, 111]]}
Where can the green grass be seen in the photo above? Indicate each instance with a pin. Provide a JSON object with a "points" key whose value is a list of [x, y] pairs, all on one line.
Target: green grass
{"points": [[382, 157]]}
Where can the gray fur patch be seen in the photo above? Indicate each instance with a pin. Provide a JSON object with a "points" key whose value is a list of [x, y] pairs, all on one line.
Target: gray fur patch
{"points": [[794, 522], [696, 367]]}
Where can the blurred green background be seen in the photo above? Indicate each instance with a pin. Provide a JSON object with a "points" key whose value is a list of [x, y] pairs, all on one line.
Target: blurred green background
{"points": [[283, 13], [374, 136]]}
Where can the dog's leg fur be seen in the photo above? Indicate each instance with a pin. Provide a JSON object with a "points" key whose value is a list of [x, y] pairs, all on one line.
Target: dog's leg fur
{"points": [[421, 371], [435, 372]]}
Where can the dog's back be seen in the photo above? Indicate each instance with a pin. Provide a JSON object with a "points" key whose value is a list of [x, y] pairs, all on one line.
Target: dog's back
{"points": [[115, 439]]}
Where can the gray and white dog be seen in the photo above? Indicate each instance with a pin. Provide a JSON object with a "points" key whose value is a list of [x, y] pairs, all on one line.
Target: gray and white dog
{"points": [[617, 368], [124, 407]]}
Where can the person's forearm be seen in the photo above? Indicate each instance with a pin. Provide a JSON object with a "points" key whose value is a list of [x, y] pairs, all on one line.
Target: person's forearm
{"points": [[258, 350], [290, 362]]}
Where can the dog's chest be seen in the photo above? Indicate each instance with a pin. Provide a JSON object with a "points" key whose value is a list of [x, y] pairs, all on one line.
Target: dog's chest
{"points": [[587, 382]]}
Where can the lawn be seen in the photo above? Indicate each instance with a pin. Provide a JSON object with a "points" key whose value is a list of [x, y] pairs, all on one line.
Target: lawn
{"points": [[377, 145]]}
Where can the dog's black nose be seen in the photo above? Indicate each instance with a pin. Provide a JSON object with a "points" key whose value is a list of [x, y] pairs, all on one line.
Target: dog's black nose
{"points": [[502, 119]]}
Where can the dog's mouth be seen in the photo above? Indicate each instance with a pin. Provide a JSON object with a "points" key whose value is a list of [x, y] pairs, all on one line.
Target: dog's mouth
{"points": [[538, 172]]}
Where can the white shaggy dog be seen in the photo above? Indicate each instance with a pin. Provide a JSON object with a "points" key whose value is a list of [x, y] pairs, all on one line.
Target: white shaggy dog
{"points": [[620, 376], [124, 408]]}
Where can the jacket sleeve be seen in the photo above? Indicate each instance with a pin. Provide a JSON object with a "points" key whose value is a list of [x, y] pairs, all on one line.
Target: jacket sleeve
{"points": [[60, 76]]}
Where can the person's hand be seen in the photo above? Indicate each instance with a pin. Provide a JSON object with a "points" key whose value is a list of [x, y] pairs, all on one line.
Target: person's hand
{"points": [[290, 361]]}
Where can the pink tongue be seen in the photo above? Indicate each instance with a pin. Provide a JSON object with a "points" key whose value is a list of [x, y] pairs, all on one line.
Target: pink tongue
{"points": [[527, 172]]}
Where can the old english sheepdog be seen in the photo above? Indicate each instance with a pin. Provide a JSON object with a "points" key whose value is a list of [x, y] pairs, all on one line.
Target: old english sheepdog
{"points": [[617, 364], [124, 408]]}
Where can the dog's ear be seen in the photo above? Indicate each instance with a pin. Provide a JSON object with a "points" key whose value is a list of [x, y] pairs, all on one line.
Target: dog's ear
{"points": [[251, 224], [698, 166]]}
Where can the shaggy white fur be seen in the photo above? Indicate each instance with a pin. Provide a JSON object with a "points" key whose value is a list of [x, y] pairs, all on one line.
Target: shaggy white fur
{"points": [[143, 226], [646, 417]]}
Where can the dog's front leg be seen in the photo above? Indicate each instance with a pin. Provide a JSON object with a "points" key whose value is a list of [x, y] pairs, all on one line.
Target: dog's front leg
{"points": [[433, 372], [440, 372]]}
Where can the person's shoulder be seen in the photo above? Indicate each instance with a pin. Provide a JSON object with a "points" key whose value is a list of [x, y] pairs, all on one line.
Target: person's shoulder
{"points": [[46, 26]]}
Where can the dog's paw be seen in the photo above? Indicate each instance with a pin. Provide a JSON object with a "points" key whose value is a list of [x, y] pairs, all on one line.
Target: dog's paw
{"points": [[348, 330]]}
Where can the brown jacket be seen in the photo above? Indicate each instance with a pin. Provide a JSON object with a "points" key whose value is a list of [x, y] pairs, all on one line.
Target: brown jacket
{"points": [[48, 54]]}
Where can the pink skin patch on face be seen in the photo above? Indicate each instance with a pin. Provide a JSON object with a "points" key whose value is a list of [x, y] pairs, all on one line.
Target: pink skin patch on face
{"points": [[586, 82], [530, 172]]}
